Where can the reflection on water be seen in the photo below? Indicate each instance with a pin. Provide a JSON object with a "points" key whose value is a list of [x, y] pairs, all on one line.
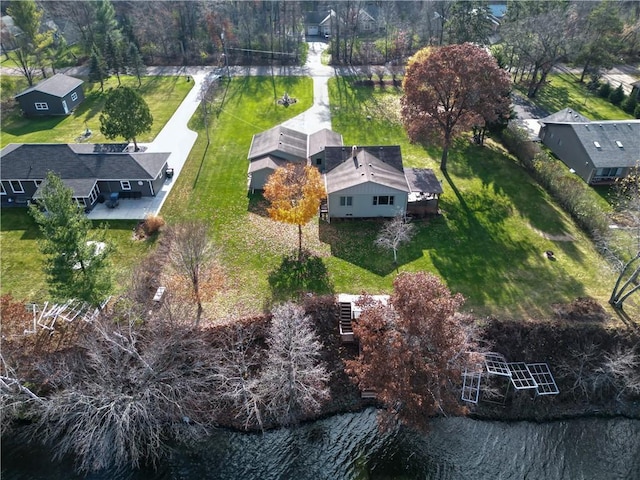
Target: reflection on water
{"points": [[349, 446]]}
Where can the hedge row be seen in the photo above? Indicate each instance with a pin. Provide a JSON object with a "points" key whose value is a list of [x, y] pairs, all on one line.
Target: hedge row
{"points": [[617, 97], [570, 191]]}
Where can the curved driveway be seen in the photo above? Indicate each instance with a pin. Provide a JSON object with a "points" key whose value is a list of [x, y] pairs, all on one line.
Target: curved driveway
{"points": [[178, 139]]}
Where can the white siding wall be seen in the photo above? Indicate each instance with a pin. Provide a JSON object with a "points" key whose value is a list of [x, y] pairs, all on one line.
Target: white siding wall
{"points": [[362, 202]]}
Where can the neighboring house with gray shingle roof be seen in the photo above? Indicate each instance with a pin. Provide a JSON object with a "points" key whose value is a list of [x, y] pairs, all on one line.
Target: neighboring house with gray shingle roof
{"points": [[89, 170], [599, 151], [57, 95]]}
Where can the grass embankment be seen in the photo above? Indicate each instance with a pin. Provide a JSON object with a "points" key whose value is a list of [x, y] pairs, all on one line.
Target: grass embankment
{"points": [[162, 94]]}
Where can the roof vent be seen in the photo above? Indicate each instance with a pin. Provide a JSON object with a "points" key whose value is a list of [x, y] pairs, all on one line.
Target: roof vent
{"points": [[354, 151], [597, 145], [619, 144], [370, 165]]}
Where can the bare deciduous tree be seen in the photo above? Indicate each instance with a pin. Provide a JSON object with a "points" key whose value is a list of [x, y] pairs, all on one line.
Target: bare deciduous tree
{"points": [[191, 253], [293, 380], [128, 388], [239, 360], [396, 231]]}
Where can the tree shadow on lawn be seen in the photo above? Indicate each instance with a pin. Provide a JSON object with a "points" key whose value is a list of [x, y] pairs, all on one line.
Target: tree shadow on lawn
{"points": [[352, 240], [17, 124], [257, 204], [477, 257], [350, 97], [507, 189], [296, 277]]}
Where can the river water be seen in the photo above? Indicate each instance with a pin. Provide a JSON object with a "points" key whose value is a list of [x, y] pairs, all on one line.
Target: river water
{"points": [[349, 446]]}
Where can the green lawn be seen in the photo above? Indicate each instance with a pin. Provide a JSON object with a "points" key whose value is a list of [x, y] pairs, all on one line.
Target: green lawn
{"points": [[162, 94], [563, 91], [21, 261], [489, 243]]}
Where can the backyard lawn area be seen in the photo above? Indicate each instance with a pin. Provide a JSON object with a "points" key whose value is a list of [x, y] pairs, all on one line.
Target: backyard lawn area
{"points": [[162, 94], [488, 244]]}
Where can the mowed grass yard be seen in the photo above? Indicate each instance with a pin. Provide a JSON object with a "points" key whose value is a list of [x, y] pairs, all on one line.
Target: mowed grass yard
{"points": [[20, 259], [162, 94], [489, 243], [563, 91]]}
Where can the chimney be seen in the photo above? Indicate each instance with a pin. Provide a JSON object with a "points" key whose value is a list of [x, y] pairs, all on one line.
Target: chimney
{"points": [[354, 152]]}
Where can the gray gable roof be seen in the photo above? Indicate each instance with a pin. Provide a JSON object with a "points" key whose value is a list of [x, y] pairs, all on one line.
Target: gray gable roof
{"points": [[277, 140], [34, 161], [565, 115], [321, 139], [366, 167], [389, 154], [613, 143], [59, 85], [266, 162]]}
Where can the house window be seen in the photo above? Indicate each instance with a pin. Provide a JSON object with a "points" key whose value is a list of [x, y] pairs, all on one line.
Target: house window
{"points": [[383, 200], [74, 96], [346, 201], [41, 106], [16, 186], [608, 172], [125, 185], [318, 161]]}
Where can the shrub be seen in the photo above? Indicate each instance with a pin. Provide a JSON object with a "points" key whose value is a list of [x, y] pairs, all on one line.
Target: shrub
{"points": [[630, 104], [605, 90], [636, 112], [152, 223], [617, 96]]}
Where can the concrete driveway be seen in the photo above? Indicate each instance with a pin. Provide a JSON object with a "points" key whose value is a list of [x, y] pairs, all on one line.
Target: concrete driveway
{"points": [[177, 139]]}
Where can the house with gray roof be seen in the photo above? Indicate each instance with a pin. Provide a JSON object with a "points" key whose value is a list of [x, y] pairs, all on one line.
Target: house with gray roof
{"points": [[365, 182], [598, 151], [277, 146], [57, 95], [91, 171], [361, 182]]}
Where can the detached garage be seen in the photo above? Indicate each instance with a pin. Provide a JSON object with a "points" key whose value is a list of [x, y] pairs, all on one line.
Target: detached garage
{"points": [[57, 95]]}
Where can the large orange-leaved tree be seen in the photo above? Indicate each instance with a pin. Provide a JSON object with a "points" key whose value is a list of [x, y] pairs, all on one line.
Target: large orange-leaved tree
{"points": [[451, 89], [295, 192]]}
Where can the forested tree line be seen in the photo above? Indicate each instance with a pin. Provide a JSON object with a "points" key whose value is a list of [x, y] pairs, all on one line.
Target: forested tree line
{"points": [[532, 37]]}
